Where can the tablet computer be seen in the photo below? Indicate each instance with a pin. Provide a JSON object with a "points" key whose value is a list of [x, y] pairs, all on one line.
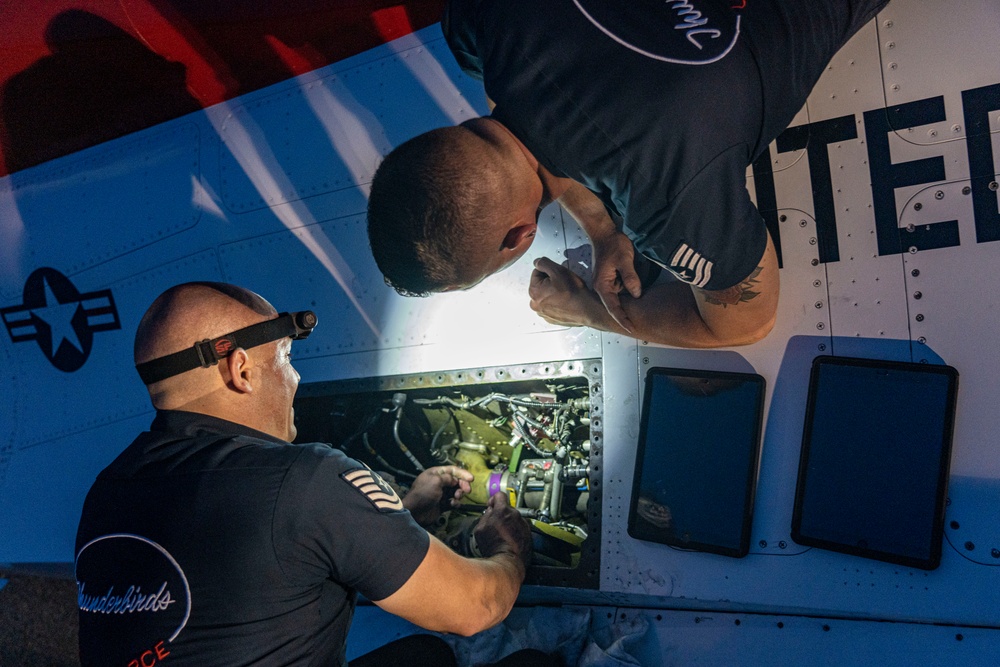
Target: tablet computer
{"points": [[876, 450], [696, 463]]}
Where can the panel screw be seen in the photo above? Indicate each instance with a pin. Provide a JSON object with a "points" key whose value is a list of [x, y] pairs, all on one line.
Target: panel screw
{"points": [[932, 133], [763, 544], [893, 65], [915, 272], [939, 194], [782, 217], [822, 347], [817, 283], [819, 304], [803, 223], [888, 23], [918, 295], [890, 45], [993, 185], [922, 340], [910, 228], [966, 190], [814, 262], [956, 128], [645, 360], [820, 326], [969, 546], [995, 553], [812, 241], [782, 544], [917, 206], [913, 250], [919, 318]]}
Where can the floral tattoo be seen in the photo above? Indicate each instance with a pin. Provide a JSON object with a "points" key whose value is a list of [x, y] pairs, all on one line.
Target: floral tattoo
{"points": [[737, 293]]}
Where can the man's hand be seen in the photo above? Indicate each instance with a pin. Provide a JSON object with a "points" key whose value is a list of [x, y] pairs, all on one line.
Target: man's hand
{"points": [[502, 529], [560, 296], [613, 251], [434, 490], [614, 270]]}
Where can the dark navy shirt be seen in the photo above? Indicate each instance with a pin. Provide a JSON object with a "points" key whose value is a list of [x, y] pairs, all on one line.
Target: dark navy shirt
{"points": [[656, 106], [217, 544]]}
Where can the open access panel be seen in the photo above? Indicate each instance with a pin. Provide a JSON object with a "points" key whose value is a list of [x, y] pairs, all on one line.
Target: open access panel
{"points": [[531, 431]]}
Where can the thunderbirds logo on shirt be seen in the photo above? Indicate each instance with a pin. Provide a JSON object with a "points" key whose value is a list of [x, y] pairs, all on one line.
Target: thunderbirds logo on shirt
{"points": [[374, 488], [684, 32], [134, 598]]}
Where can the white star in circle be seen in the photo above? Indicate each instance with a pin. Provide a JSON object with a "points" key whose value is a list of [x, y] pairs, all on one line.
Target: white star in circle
{"points": [[59, 317]]}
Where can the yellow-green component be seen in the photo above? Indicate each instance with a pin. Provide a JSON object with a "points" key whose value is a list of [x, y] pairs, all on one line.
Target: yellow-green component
{"points": [[476, 464], [515, 457], [557, 532]]}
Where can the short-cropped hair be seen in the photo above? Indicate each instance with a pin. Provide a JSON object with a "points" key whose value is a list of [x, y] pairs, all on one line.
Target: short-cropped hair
{"points": [[426, 211]]}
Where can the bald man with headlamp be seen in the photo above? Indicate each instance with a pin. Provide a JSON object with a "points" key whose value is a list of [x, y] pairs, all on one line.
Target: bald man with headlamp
{"points": [[213, 540]]}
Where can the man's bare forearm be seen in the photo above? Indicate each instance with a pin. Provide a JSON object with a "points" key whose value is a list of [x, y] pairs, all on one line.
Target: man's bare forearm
{"points": [[503, 582], [588, 210], [450, 593], [678, 319], [666, 314], [677, 314]]}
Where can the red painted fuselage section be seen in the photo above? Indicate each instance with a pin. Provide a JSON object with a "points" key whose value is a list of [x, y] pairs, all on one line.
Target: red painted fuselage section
{"points": [[76, 73]]}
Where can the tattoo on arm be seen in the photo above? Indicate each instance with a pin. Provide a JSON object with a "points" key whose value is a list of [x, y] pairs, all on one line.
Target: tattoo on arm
{"points": [[737, 293]]}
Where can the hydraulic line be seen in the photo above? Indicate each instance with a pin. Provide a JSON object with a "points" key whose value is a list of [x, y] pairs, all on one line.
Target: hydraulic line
{"points": [[399, 441], [383, 463]]}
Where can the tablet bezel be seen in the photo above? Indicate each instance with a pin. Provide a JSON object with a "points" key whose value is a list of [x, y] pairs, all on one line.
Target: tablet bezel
{"points": [[944, 462], [751, 473]]}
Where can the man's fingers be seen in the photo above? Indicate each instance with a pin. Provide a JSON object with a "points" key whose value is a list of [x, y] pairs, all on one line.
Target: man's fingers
{"points": [[547, 277], [460, 473], [545, 270], [631, 281], [537, 283], [614, 307], [546, 265], [456, 473]]}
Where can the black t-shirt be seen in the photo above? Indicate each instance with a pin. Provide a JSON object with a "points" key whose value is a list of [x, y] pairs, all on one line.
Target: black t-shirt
{"points": [[656, 106], [217, 544]]}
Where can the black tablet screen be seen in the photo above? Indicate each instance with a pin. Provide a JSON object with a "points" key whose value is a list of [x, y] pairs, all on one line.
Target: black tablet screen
{"points": [[697, 459], [875, 459]]}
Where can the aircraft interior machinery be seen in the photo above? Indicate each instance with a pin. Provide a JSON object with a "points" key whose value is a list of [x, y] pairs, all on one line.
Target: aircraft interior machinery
{"points": [[530, 431]]}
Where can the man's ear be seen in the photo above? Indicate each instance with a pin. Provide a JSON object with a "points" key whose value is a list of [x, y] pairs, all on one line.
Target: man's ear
{"points": [[519, 235], [240, 371]]}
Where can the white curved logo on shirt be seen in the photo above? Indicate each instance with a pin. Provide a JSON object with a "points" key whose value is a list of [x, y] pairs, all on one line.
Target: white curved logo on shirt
{"points": [[683, 32], [138, 561]]}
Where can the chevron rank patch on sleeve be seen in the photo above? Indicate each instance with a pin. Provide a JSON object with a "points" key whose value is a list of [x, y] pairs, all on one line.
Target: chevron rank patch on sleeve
{"points": [[374, 488]]}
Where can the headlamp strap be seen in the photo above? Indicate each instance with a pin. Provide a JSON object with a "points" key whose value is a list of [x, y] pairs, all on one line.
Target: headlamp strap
{"points": [[208, 352]]}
